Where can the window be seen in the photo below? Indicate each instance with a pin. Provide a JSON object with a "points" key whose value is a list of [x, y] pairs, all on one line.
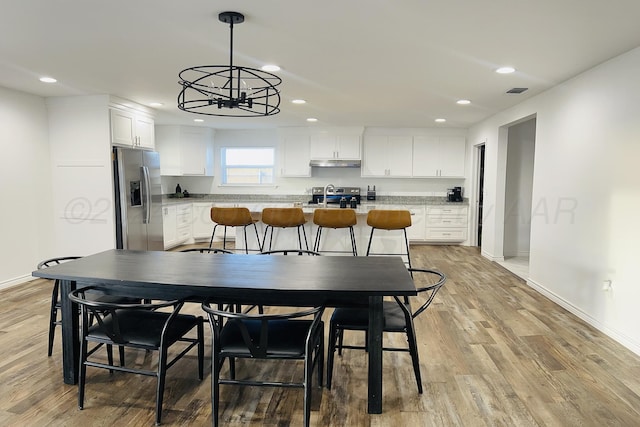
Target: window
{"points": [[248, 166]]}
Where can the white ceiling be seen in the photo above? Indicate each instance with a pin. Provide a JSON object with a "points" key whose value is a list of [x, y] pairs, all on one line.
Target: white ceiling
{"points": [[391, 63]]}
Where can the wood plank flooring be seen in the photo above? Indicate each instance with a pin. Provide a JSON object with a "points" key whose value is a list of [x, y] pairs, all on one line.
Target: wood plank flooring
{"points": [[493, 353]]}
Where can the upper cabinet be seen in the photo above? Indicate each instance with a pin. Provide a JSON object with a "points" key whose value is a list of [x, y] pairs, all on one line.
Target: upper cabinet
{"points": [[335, 146], [294, 156], [185, 150], [133, 129], [387, 156], [439, 156]]}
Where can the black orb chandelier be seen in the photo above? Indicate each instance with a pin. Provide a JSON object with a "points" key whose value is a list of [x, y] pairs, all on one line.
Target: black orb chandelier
{"points": [[229, 90]]}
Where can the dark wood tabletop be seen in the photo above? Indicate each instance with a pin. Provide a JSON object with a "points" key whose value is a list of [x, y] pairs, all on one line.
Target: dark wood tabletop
{"points": [[331, 281]]}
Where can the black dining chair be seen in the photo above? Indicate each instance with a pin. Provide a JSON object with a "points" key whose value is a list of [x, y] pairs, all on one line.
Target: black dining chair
{"points": [[291, 252], [55, 305], [208, 251], [140, 326], [265, 336], [398, 317]]}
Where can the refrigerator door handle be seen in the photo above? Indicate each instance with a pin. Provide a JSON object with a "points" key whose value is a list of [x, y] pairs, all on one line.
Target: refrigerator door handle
{"points": [[146, 195]]}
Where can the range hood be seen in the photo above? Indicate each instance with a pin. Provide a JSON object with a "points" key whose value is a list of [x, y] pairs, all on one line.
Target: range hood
{"points": [[334, 163]]}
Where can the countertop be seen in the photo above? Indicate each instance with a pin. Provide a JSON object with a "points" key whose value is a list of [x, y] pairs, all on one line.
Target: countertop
{"points": [[365, 205]]}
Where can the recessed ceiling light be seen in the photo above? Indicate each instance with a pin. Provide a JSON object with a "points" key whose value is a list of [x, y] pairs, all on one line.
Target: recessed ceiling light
{"points": [[156, 104], [47, 80], [440, 120], [298, 101], [198, 120], [271, 68], [312, 119], [505, 70], [463, 102]]}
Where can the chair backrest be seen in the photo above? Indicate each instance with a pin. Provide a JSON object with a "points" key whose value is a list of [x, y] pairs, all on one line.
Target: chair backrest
{"points": [[231, 216], [428, 282], [335, 218], [283, 217], [107, 314], [389, 219], [208, 251], [291, 252], [55, 261], [257, 342]]}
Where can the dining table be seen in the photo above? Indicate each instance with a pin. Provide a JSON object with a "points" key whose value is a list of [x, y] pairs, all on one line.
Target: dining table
{"points": [[298, 281]]}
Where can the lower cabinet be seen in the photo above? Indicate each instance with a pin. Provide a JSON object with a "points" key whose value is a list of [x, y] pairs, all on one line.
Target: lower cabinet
{"points": [[447, 223], [176, 223], [202, 224]]}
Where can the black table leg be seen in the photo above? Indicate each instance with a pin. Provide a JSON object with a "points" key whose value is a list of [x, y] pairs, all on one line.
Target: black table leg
{"points": [[70, 335], [375, 355]]}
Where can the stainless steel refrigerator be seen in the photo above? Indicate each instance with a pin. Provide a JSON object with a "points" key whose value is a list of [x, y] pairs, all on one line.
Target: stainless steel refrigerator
{"points": [[138, 199]]}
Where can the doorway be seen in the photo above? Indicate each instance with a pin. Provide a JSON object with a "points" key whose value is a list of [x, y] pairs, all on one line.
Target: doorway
{"points": [[518, 196], [480, 194]]}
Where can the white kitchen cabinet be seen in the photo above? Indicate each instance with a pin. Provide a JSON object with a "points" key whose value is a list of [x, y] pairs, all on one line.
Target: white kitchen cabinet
{"points": [[417, 231], [132, 129], [294, 156], [170, 232], [335, 146], [176, 224], [202, 224], [185, 150], [387, 156], [439, 156], [447, 223]]}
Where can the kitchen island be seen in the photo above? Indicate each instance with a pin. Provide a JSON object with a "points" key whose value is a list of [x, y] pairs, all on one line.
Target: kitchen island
{"points": [[434, 220]]}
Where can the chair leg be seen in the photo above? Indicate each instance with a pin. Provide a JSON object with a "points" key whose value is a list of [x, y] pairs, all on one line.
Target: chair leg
{"points": [[413, 349], [333, 337], [304, 233], [370, 240], [215, 387], [212, 234], [255, 227], [340, 340], [162, 372], [82, 374], [316, 243], [121, 351], [308, 373], [200, 329], [353, 242], [406, 241], [53, 316]]}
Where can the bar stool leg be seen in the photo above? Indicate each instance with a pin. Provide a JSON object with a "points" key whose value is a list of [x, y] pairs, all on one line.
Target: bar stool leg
{"points": [[212, 234], [353, 242], [316, 244], [406, 241]]}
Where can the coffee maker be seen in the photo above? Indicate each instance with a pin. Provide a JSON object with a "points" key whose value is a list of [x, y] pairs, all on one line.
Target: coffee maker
{"points": [[454, 194]]}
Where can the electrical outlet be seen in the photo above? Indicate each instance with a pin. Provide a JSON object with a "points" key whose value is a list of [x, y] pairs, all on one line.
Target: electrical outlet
{"points": [[606, 285]]}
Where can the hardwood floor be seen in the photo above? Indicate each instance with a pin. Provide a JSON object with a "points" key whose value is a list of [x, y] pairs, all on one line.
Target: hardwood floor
{"points": [[493, 353]]}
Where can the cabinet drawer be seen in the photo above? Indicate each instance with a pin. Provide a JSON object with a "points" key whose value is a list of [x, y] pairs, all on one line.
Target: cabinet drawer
{"points": [[446, 221], [446, 210], [183, 220], [184, 233], [447, 234]]}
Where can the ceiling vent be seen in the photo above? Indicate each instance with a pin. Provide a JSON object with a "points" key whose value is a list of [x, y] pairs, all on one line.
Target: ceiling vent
{"points": [[517, 90]]}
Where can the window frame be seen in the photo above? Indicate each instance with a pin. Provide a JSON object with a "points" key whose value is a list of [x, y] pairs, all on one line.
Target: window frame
{"points": [[224, 166]]}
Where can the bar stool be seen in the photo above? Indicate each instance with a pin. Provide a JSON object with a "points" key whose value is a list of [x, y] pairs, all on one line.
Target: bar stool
{"points": [[389, 220], [335, 218], [233, 217], [283, 218]]}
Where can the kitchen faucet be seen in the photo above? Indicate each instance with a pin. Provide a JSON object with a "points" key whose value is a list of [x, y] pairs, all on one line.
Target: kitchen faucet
{"points": [[327, 188]]}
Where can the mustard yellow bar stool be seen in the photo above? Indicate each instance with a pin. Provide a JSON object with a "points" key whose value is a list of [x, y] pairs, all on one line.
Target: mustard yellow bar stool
{"points": [[233, 217], [283, 218], [389, 220], [335, 218]]}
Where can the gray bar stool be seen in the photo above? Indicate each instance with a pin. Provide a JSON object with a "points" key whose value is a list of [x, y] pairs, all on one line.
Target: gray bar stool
{"points": [[335, 218], [389, 220], [283, 218], [233, 217]]}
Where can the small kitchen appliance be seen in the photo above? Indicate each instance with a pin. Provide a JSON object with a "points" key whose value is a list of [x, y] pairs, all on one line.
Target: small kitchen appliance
{"points": [[454, 194], [371, 194], [335, 195]]}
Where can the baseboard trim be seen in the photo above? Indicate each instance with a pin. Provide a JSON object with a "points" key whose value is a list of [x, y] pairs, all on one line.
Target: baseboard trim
{"points": [[15, 281], [491, 257], [611, 333]]}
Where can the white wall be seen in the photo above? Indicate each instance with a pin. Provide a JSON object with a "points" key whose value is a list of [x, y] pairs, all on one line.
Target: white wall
{"points": [[586, 193], [25, 170]]}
